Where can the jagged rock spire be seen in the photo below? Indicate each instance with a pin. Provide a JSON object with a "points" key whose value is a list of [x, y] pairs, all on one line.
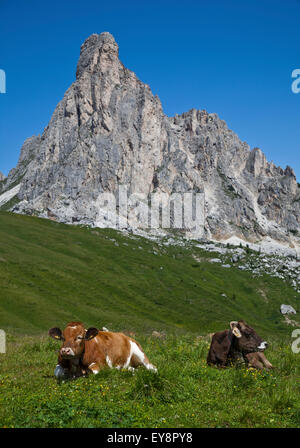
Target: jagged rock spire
{"points": [[109, 129], [97, 49]]}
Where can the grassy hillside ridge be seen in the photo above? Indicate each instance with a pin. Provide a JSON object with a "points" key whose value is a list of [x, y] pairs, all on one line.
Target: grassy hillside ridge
{"points": [[52, 273]]}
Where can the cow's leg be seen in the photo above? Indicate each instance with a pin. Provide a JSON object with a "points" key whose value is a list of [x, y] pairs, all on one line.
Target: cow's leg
{"points": [[224, 361], [138, 358], [149, 365], [95, 367], [258, 365], [223, 365], [264, 360], [254, 361], [211, 358], [214, 360]]}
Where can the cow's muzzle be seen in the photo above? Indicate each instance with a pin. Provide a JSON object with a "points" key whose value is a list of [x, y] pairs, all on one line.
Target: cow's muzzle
{"points": [[67, 352], [263, 345]]}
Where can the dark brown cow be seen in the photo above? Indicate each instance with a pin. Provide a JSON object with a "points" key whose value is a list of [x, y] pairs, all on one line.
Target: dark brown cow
{"points": [[240, 341], [91, 350]]}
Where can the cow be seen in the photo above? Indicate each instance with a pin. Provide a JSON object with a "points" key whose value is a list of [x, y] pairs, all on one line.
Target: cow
{"points": [[240, 341], [84, 351]]}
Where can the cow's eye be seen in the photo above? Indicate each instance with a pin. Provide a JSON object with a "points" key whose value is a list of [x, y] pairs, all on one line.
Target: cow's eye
{"points": [[79, 337]]}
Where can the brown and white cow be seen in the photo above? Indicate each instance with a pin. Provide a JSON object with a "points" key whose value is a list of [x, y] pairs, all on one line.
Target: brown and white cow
{"points": [[91, 350], [240, 341]]}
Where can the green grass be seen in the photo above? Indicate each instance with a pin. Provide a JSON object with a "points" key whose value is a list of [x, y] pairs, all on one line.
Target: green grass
{"points": [[184, 393], [52, 273]]}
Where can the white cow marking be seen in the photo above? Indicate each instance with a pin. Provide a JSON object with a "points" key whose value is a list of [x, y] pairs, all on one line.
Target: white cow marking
{"points": [[262, 346], [108, 362], [135, 350], [151, 367], [95, 371]]}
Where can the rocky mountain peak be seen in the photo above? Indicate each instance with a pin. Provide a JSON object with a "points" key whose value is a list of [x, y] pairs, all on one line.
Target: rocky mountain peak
{"points": [[97, 50], [289, 172], [110, 130]]}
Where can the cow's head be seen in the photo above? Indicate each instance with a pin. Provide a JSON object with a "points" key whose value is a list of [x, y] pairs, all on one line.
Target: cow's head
{"points": [[74, 337], [247, 339]]}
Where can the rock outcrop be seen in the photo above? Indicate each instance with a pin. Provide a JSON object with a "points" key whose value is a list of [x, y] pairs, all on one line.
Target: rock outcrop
{"points": [[287, 309], [109, 129], [2, 179]]}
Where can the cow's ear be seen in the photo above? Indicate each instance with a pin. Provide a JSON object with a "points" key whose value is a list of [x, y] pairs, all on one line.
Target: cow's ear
{"points": [[242, 325], [56, 333], [91, 333], [235, 330]]}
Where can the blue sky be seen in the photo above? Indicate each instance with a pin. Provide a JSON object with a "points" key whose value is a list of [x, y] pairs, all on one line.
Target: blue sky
{"points": [[231, 57]]}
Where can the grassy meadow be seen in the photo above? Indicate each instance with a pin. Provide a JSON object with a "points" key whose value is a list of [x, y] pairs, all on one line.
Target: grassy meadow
{"points": [[52, 273], [185, 393]]}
